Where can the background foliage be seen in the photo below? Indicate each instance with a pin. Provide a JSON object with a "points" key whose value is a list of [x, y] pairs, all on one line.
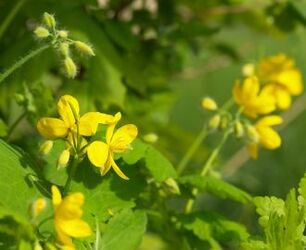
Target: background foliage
{"points": [[154, 62]]}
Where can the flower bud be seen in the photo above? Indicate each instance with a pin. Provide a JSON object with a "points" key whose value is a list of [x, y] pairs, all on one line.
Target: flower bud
{"points": [[70, 67], [46, 147], [150, 138], [224, 122], [84, 48], [248, 69], [63, 159], [252, 134], [38, 206], [49, 20], [238, 129], [64, 49], [37, 246], [172, 186], [214, 122], [41, 32], [209, 104], [50, 246], [63, 33]]}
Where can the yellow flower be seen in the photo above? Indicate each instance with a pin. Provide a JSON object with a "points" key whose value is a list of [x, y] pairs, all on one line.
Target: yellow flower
{"points": [[100, 154], [252, 100], [282, 79], [67, 218], [70, 123], [266, 136]]}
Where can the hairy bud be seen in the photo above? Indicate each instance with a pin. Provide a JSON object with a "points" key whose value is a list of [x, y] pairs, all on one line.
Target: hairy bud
{"points": [[84, 48], [70, 67], [41, 32]]}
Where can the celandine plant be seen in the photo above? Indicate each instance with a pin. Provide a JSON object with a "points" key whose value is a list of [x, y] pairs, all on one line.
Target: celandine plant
{"points": [[95, 185]]}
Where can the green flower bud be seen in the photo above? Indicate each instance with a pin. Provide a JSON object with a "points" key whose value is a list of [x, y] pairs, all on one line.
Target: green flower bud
{"points": [[238, 129], [49, 20], [63, 33], [252, 134], [214, 122], [70, 67], [150, 138], [84, 48], [172, 186], [64, 49], [46, 147], [63, 159], [41, 32]]}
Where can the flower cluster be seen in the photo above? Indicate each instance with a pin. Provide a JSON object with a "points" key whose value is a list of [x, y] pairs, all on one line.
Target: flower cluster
{"points": [[267, 87], [77, 131], [62, 43]]}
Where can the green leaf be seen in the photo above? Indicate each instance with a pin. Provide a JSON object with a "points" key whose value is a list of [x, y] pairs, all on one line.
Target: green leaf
{"points": [[212, 227], [107, 194], [3, 128], [137, 152], [16, 188], [158, 165], [124, 231], [216, 187], [14, 230]]}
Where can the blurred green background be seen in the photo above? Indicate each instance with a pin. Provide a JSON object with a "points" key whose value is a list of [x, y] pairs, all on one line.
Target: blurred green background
{"points": [[155, 61]]}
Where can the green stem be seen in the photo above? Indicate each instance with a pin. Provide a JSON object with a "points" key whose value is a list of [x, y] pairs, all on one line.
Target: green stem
{"points": [[206, 168], [15, 124], [5, 24], [22, 61], [73, 167], [192, 149]]}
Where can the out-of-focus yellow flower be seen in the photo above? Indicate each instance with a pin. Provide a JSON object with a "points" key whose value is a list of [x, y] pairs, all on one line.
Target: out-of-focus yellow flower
{"points": [[67, 218], [38, 206], [266, 136], [248, 69], [282, 79], [100, 154], [252, 100], [70, 122], [46, 147], [209, 103]]}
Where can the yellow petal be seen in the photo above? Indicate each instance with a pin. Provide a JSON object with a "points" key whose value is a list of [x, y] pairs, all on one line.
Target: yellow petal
{"points": [[76, 228], [123, 137], [250, 87], [253, 150], [270, 120], [269, 138], [56, 196], [89, 122], [52, 128], [70, 207], [283, 99], [68, 108], [111, 127], [107, 166], [237, 92], [63, 238], [292, 79], [118, 170], [97, 153]]}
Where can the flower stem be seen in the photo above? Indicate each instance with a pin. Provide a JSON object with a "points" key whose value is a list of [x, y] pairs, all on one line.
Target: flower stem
{"points": [[22, 61], [73, 167], [15, 124], [207, 166], [192, 149], [5, 24]]}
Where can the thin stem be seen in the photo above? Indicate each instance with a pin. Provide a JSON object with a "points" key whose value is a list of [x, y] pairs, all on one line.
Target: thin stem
{"points": [[73, 167], [192, 149], [22, 61], [15, 124], [206, 168], [5, 24]]}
